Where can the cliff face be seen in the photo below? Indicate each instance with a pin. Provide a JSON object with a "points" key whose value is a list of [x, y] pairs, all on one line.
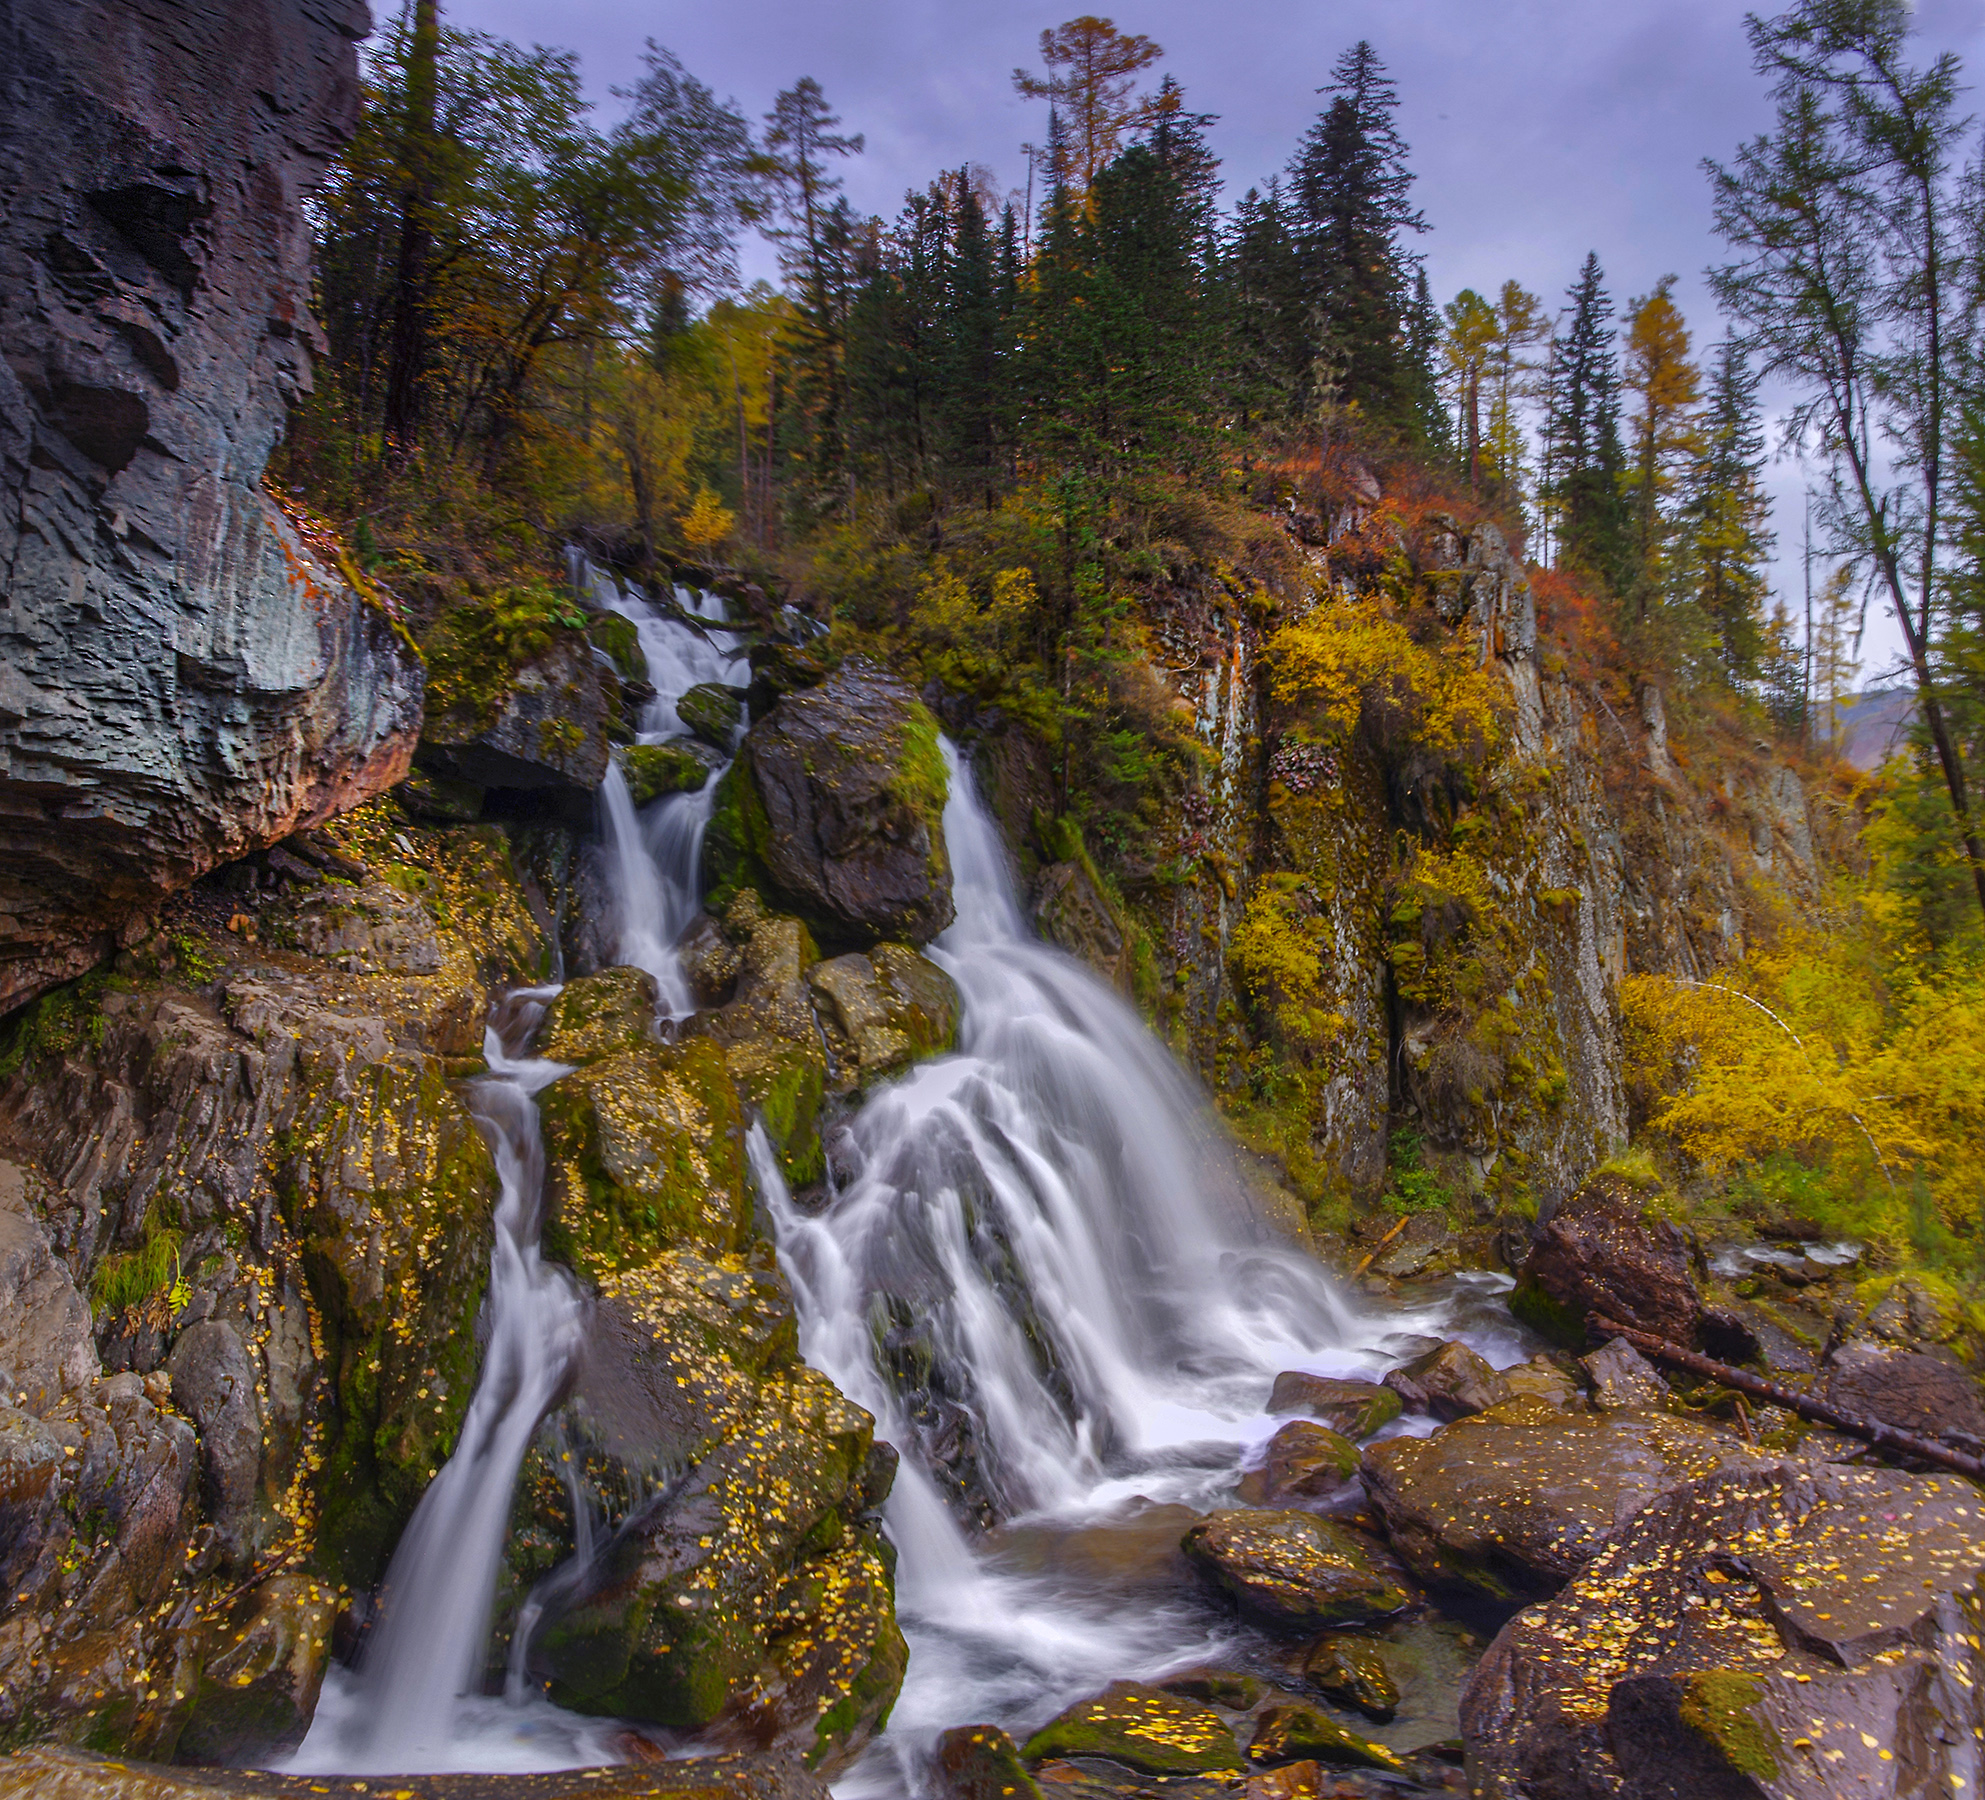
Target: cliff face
{"points": [[180, 680]]}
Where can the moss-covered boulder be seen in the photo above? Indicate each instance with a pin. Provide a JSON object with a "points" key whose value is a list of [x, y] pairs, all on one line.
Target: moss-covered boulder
{"points": [[1797, 1631], [1144, 1728], [262, 1664], [644, 1152], [1356, 1408], [1511, 1503], [882, 1011], [770, 1035], [1603, 1254], [981, 1762], [599, 1015], [1293, 1571], [652, 770], [713, 711], [1351, 1671], [759, 1586], [835, 807], [1304, 1461], [1292, 1732]]}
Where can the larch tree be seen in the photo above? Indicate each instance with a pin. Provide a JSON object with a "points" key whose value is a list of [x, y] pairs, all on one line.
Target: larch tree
{"points": [[1666, 386], [1468, 346], [1091, 86]]}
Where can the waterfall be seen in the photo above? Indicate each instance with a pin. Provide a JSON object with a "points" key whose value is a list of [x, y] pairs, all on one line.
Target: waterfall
{"points": [[414, 1703], [1051, 1223]]}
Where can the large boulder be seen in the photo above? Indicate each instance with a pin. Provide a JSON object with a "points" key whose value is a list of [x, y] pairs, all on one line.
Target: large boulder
{"points": [[1789, 1632], [882, 1011], [1601, 1253], [1292, 1571], [46, 1346], [1143, 1728], [1510, 1504], [835, 805], [183, 678], [1356, 1408], [1904, 1388]]}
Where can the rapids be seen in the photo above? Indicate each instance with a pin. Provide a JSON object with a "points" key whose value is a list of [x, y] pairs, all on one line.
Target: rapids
{"points": [[1048, 1222]]}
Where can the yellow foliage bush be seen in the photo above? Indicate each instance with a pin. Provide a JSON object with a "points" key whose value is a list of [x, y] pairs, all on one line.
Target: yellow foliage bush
{"points": [[1277, 954], [1360, 660]]}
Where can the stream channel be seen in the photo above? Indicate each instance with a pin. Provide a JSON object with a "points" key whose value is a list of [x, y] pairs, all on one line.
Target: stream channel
{"points": [[1129, 1248]]}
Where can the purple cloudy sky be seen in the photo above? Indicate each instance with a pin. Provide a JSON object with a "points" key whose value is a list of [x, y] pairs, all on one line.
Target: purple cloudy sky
{"points": [[1539, 128]]}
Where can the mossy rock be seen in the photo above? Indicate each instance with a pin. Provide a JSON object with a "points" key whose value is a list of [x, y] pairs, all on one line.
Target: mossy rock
{"points": [[981, 1762], [262, 1665], [620, 638], [644, 1152], [883, 1011], [713, 711], [1352, 1672], [652, 770], [1294, 1571], [1296, 1733], [835, 808], [599, 1015], [1144, 1728]]}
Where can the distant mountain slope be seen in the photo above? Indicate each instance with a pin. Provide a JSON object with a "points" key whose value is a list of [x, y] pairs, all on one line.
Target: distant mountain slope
{"points": [[1872, 726]]}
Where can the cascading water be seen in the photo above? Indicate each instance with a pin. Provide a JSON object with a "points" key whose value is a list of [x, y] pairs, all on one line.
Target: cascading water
{"points": [[1049, 1223]]}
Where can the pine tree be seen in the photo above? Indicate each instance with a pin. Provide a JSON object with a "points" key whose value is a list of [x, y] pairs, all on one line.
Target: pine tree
{"points": [[1349, 183], [1728, 514], [1586, 453]]}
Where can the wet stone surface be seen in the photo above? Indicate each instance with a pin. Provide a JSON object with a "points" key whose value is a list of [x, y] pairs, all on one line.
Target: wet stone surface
{"points": [[1794, 1631]]}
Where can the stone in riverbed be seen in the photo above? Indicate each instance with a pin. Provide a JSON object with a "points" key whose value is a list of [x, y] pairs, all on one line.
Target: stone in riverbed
{"points": [[1510, 1504], [1601, 1254], [1292, 1571], [1296, 1733], [1798, 1632], [981, 1762], [598, 1016], [713, 711], [1350, 1671], [1303, 1462], [1234, 1689], [1904, 1388], [1144, 1728], [835, 806], [652, 770], [1450, 1382], [881, 1012], [1355, 1408], [49, 1773], [1623, 1379]]}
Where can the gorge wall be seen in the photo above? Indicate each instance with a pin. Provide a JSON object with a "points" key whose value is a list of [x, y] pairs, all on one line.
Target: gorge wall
{"points": [[181, 679]]}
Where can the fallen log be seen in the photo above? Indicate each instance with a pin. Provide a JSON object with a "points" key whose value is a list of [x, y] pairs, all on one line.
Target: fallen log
{"points": [[1380, 1246], [1821, 1412]]}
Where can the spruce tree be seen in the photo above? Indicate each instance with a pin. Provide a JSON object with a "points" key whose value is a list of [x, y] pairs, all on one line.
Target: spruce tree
{"points": [[1584, 434], [1349, 184], [1729, 513]]}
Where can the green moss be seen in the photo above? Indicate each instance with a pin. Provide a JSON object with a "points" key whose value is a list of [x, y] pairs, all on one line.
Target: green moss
{"points": [[1547, 1317], [620, 638], [787, 1084], [1143, 1728], [63, 1021], [922, 779], [475, 648], [598, 1016], [653, 770], [1722, 1706], [736, 839]]}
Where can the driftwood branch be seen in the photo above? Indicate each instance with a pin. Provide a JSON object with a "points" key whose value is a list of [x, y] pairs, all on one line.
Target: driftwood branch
{"points": [[1379, 1246], [1821, 1412]]}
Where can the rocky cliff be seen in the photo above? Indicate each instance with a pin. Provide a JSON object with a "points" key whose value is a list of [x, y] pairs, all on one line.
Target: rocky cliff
{"points": [[181, 679]]}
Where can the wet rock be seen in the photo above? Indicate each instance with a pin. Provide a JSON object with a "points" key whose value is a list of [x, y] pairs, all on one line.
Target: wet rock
{"points": [[1292, 1732], [1234, 1689], [1352, 1672], [1796, 1630], [1355, 1408], [46, 1347], [771, 1037], [714, 712], [881, 1012], [1292, 1571], [981, 1762], [1542, 1378], [1450, 1382], [214, 1386], [599, 1015], [1143, 1728], [50, 1773], [835, 804], [1624, 1380], [1303, 1462], [644, 1150], [709, 962], [437, 799], [1510, 1504], [1909, 1313], [544, 734], [751, 1588], [1073, 913], [184, 679], [1426, 1245], [779, 668], [653, 770], [261, 1668], [1904, 1388], [1601, 1253]]}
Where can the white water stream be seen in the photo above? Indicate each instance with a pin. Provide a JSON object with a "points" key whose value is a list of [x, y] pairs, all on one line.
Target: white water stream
{"points": [[1047, 1224]]}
